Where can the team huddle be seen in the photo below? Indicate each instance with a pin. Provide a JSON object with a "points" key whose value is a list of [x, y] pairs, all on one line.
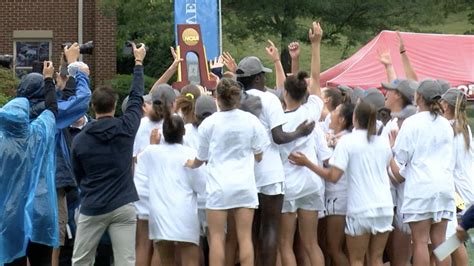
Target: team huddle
{"points": [[237, 174], [354, 168]]}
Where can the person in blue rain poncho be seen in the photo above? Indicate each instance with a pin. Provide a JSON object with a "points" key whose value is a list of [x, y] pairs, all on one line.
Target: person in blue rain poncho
{"points": [[73, 103], [27, 192]]}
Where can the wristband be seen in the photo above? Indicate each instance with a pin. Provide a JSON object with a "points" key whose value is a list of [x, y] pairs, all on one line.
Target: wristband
{"points": [[402, 52]]}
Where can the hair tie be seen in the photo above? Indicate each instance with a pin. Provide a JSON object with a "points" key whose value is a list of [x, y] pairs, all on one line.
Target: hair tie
{"points": [[190, 95]]}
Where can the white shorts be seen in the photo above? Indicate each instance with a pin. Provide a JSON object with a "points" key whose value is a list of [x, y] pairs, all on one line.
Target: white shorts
{"points": [[272, 189], [435, 216], [141, 208], [311, 202], [357, 226], [336, 205]]}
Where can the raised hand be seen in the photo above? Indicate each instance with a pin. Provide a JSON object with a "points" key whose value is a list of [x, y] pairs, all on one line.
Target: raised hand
{"points": [[139, 53], [384, 57], [315, 32], [72, 53], [48, 69], [272, 51], [401, 44], [229, 62], [294, 49], [218, 62], [176, 59]]}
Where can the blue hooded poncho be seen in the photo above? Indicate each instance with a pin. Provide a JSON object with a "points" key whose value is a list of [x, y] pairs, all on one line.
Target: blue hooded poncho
{"points": [[28, 206]]}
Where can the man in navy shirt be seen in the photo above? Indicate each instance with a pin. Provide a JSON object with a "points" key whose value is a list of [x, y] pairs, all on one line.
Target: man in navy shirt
{"points": [[102, 163]]}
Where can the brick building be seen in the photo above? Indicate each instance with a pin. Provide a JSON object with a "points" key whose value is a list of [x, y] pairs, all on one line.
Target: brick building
{"points": [[33, 30]]}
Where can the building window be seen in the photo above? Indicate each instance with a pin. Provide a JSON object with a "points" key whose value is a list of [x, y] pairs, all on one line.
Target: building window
{"points": [[29, 54]]}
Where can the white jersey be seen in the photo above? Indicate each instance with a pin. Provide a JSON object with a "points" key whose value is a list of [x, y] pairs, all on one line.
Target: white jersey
{"points": [[323, 152], [395, 189], [191, 139], [299, 180], [365, 165], [142, 140], [173, 192], [228, 140], [464, 168], [424, 149], [270, 169], [340, 187]]}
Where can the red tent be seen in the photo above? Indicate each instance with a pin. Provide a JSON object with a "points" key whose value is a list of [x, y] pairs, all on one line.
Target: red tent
{"points": [[438, 56]]}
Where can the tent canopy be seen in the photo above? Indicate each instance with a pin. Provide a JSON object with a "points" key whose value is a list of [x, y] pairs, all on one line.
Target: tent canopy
{"points": [[439, 56]]}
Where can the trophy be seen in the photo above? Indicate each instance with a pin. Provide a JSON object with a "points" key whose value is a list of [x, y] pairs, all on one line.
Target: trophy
{"points": [[194, 68]]}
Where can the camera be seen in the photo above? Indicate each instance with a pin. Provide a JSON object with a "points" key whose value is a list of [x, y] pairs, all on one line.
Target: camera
{"points": [[127, 48], [6, 61], [85, 48]]}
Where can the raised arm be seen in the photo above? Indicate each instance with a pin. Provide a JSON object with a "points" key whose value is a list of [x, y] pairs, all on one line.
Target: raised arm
{"points": [[386, 60], [409, 71], [294, 49], [274, 55], [229, 62], [169, 72], [74, 107], [315, 34], [50, 97]]}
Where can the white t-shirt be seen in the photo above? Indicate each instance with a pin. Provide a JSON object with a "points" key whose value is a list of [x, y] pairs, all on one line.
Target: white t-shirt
{"points": [[191, 139], [424, 149], [396, 190], [339, 188], [228, 141], [270, 169], [173, 192], [463, 168], [142, 140], [299, 180], [365, 166]]}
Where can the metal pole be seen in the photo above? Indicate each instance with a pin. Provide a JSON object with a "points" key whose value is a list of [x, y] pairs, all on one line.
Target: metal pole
{"points": [[220, 26], [80, 15]]}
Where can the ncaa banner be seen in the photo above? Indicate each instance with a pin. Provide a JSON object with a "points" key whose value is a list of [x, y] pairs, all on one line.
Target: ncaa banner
{"points": [[202, 12]]}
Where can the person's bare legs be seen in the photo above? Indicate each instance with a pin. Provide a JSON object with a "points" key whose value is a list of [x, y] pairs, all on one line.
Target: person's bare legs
{"points": [[231, 243], [376, 248], [302, 259], [438, 236], [189, 254], [308, 228], [243, 222], [267, 229], [358, 247], [420, 234], [286, 238], [335, 239], [322, 240], [55, 257], [144, 246], [460, 257], [400, 249], [166, 249], [216, 220]]}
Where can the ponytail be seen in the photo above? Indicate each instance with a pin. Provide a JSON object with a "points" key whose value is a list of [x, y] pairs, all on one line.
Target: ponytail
{"points": [[173, 126], [460, 120], [185, 103], [366, 117]]}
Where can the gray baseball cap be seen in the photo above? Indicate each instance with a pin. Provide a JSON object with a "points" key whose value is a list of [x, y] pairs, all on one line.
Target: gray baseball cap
{"points": [[163, 92], [444, 85], [376, 98], [429, 89], [406, 112], [452, 95], [146, 99], [205, 105], [406, 87], [250, 66], [356, 94]]}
